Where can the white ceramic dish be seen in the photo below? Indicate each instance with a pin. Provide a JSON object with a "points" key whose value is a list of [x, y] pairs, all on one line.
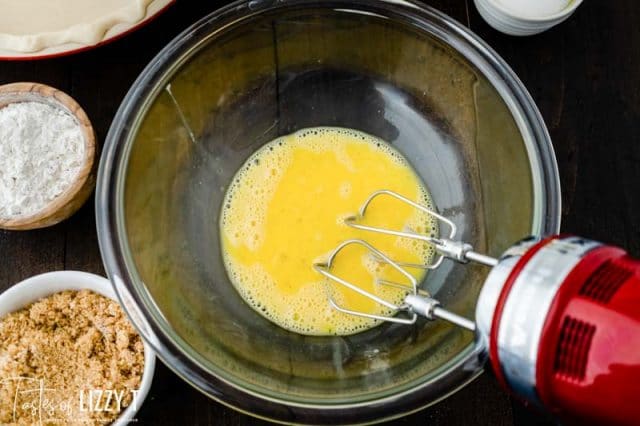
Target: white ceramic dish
{"points": [[117, 31], [507, 21], [39, 286]]}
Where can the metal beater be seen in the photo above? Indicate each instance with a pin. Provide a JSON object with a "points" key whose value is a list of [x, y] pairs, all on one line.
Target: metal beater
{"points": [[417, 302], [559, 317]]}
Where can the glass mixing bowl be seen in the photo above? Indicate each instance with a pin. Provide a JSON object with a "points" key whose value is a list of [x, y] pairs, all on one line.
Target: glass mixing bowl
{"points": [[259, 69]]}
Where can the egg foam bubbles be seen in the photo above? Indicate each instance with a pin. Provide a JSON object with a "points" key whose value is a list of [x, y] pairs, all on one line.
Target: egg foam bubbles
{"points": [[285, 209]]}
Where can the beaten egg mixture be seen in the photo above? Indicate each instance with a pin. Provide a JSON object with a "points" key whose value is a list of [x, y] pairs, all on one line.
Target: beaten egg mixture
{"points": [[285, 210]]}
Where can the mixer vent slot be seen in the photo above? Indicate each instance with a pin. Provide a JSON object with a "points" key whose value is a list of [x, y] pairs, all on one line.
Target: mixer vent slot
{"points": [[603, 284], [573, 349]]}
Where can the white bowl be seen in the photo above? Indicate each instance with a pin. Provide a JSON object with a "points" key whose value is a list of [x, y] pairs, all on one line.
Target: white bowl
{"points": [[39, 286], [509, 22]]}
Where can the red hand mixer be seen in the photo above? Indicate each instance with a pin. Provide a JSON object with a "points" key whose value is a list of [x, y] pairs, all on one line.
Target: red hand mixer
{"points": [[559, 317]]}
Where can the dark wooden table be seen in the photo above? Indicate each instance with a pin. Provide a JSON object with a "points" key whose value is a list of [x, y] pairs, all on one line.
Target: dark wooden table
{"points": [[584, 75]]}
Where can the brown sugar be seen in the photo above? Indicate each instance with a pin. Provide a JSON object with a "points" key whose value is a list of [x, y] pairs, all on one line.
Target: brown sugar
{"points": [[70, 358]]}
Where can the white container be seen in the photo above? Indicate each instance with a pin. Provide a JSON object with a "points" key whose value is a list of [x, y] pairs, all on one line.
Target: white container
{"points": [[37, 287], [510, 22]]}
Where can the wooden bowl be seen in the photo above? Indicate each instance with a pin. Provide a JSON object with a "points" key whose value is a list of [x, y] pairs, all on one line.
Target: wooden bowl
{"points": [[69, 201]]}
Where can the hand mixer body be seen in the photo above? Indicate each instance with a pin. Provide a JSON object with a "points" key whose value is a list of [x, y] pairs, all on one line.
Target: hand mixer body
{"points": [[561, 319]]}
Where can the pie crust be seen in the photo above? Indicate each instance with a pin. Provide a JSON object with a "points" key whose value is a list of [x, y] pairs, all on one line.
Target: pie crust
{"points": [[28, 26]]}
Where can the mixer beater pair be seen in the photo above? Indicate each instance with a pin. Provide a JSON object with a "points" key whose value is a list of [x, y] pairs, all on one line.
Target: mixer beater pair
{"points": [[417, 301], [558, 318]]}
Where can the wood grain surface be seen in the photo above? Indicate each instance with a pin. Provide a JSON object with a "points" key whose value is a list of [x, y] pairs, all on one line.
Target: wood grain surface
{"points": [[584, 75]]}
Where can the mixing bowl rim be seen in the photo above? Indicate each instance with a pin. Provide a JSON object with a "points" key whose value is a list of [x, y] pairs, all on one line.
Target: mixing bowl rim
{"points": [[138, 303]]}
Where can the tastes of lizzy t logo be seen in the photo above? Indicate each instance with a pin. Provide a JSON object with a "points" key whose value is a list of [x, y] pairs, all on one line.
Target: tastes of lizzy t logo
{"points": [[29, 399]]}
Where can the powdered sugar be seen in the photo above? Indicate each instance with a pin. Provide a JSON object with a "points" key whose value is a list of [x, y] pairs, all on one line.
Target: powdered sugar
{"points": [[41, 152]]}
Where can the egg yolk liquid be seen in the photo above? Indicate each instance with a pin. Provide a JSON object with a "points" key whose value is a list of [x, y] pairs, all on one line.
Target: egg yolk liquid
{"points": [[285, 210]]}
